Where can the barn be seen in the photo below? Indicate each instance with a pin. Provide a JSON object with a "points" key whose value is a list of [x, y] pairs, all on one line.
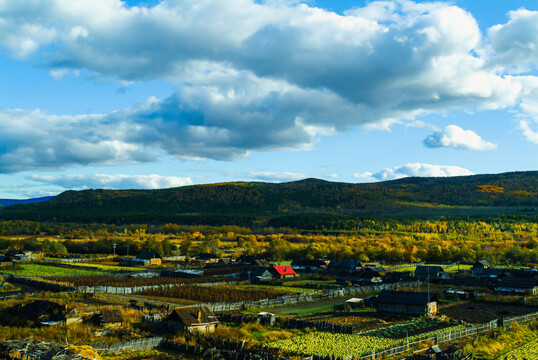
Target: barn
{"points": [[406, 302]]}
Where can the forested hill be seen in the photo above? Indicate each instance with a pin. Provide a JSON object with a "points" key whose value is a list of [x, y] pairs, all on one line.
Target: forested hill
{"points": [[241, 203]]}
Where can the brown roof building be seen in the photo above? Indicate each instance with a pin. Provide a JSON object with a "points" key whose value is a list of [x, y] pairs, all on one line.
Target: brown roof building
{"points": [[192, 318]]}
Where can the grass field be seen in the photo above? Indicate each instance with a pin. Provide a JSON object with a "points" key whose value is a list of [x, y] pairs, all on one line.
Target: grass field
{"points": [[40, 270]]}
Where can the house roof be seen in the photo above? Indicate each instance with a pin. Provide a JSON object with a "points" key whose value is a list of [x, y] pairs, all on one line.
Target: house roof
{"points": [[344, 264], [482, 263], [147, 255], [516, 282], [428, 270], [14, 252], [193, 315], [487, 272], [308, 263], [284, 270], [111, 316], [405, 297]]}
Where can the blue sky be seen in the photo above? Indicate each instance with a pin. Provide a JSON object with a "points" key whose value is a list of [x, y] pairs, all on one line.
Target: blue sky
{"points": [[153, 94]]}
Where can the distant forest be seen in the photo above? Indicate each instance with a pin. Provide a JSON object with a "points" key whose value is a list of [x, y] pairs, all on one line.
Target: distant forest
{"points": [[309, 204]]}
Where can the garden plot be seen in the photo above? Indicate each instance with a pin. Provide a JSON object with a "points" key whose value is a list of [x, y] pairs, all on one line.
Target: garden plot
{"points": [[479, 313], [341, 345]]}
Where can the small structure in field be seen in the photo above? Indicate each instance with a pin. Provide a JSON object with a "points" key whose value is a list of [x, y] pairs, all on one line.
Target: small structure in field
{"points": [[109, 318], [355, 303], [266, 318], [406, 302], [43, 311], [148, 258], [481, 264], [192, 318]]}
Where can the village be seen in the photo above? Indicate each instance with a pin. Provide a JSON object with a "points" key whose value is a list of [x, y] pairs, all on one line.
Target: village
{"points": [[250, 308]]}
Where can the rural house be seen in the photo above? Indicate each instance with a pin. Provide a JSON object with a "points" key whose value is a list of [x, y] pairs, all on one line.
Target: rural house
{"points": [[282, 271], [338, 266], [256, 274], [148, 258], [109, 319], [307, 265], [517, 285], [192, 318], [481, 264], [406, 302], [429, 272]]}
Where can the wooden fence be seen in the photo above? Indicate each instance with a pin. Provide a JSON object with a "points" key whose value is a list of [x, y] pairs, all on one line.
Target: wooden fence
{"points": [[133, 345]]}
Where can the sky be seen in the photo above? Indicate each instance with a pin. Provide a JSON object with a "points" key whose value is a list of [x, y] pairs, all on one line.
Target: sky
{"points": [[154, 94]]}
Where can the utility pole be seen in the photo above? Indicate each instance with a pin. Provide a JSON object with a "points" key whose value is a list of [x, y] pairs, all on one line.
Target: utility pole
{"points": [[114, 249]]}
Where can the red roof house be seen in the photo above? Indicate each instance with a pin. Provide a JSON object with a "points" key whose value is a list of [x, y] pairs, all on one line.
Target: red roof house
{"points": [[282, 271]]}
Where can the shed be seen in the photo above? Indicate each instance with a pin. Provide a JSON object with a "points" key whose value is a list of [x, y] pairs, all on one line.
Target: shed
{"points": [[355, 303], [109, 318], [149, 258], [406, 302], [192, 318], [481, 264]]}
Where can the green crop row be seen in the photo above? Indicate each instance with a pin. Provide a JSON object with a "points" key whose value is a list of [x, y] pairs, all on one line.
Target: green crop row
{"points": [[340, 345]]}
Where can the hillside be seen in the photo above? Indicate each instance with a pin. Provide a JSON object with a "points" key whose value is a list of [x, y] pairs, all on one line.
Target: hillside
{"points": [[243, 202], [9, 202]]}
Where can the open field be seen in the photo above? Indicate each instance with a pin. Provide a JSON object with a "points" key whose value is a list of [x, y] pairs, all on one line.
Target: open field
{"points": [[41, 270], [478, 312]]}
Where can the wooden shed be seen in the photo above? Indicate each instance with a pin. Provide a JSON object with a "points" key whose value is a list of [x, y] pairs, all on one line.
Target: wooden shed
{"points": [[192, 318]]}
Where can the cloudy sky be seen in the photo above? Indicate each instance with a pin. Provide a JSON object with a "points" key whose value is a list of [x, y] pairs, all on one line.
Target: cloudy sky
{"points": [[152, 94]]}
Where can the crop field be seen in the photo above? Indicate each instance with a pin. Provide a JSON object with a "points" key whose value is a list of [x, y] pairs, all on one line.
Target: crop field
{"points": [[525, 352], [108, 268], [103, 280], [365, 319], [215, 293], [479, 313], [49, 270], [411, 328], [340, 345]]}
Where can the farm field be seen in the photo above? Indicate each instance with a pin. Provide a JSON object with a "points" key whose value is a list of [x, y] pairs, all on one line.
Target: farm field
{"points": [[341, 345], [479, 313], [365, 320], [41, 270], [526, 352]]}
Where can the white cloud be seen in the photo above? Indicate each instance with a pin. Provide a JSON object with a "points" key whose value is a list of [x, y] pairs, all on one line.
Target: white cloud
{"points": [[117, 181], [414, 169], [275, 176], [515, 43], [455, 137], [281, 75]]}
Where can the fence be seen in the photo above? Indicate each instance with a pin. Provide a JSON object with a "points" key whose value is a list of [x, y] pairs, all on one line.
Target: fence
{"points": [[133, 345], [523, 319]]}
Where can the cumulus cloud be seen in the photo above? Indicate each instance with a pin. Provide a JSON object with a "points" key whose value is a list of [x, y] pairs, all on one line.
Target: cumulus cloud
{"points": [[414, 169], [455, 137], [113, 181], [516, 43], [284, 73]]}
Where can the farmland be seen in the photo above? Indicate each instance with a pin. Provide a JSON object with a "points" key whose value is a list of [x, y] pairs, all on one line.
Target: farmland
{"points": [[341, 345]]}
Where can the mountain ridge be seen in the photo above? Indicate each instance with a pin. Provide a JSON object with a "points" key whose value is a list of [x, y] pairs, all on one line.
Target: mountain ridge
{"points": [[241, 202]]}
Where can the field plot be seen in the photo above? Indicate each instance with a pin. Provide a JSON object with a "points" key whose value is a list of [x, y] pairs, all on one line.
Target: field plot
{"points": [[118, 281], [340, 345], [363, 320], [49, 270], [215, 293], [479, 313], [415, 327], [525, 352]]}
